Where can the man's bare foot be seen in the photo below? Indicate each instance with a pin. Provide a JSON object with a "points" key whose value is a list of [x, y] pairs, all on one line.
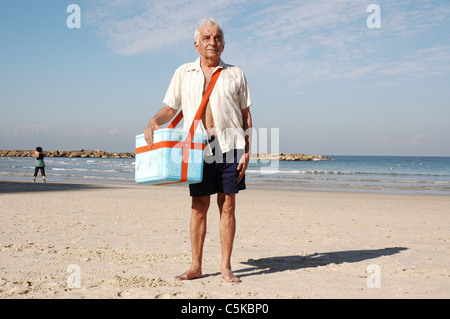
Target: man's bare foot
{"points": [[229, 277], [190, 274]]}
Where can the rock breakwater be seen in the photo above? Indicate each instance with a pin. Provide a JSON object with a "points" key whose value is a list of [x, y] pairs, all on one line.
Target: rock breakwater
{"points": [[290, 157], [78, 153], [104, 154]]}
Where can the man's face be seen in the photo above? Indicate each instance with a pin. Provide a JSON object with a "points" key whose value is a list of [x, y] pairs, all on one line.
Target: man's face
{"points": [[210, 44]]}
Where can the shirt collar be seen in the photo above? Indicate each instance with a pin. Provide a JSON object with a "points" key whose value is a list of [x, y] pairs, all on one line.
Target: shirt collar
{"points": [[195, 66]]}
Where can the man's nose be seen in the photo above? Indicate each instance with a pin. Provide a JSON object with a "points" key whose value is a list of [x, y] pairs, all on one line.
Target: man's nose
{"points": [[212, 42]]}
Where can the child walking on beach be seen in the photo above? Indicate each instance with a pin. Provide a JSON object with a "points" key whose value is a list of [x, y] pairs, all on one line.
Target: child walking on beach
{"points": [[39, 163]]}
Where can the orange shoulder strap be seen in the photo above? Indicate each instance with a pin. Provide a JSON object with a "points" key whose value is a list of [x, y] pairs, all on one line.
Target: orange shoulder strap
{"points": [[200, 109]]}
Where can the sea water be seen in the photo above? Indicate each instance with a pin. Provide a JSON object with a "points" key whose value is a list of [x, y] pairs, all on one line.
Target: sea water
{"points": [[375, 174], [380, 174], [69, 169]]}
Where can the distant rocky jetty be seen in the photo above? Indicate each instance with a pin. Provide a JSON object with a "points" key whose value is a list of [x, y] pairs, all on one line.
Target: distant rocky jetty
{"points": [[104, 154], [290, 157], [80, 153]]}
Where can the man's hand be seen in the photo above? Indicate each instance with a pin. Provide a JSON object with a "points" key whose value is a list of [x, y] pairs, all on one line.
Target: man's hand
{"points": [[242, 166], [148, 133], [162, 117]]}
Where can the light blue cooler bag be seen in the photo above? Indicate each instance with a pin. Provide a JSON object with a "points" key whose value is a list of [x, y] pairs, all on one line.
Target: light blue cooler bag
{"points": [[176, 156], [163, 163]]}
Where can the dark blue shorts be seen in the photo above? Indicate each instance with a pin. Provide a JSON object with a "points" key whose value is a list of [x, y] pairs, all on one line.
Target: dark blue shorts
{"points": [[219, 175]]}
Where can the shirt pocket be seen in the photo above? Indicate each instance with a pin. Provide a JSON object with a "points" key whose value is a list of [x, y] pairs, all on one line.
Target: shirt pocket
{"points": [[229, 89]]}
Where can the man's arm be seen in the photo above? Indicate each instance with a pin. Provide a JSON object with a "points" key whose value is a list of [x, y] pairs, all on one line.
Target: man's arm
{"points": [[162, 117], [247, 126]]}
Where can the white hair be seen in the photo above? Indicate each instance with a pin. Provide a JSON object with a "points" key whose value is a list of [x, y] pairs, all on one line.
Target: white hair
{"points": [[206, 22]]}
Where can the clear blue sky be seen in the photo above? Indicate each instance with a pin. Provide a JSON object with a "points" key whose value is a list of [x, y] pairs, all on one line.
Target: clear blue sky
{"points": [[330, 84]]}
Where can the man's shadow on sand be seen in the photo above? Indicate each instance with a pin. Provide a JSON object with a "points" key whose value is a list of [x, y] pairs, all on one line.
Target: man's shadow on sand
{"points": [[269, 265]]}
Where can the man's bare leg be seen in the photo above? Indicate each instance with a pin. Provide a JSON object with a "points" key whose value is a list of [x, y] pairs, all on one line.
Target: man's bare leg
{"points": [[227, 204], [200, 207]]}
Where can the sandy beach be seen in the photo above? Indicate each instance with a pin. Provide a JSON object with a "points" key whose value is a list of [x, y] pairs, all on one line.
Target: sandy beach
{"points": [[60, 240]]}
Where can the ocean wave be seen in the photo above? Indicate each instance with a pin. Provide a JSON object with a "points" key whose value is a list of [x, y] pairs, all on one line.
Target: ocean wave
{"points": [[93, 170], [334, 172]]}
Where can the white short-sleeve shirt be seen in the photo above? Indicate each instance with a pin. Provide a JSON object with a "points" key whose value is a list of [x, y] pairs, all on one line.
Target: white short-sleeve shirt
{"points": [[228, 98]]}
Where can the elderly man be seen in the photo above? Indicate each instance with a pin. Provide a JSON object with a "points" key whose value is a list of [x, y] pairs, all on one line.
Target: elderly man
{"points": [[227, 123]]}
